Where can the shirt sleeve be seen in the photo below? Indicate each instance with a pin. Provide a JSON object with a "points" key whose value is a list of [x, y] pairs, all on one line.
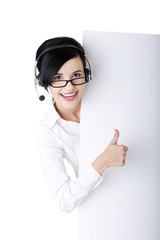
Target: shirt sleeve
{"points": [[68, 193]]}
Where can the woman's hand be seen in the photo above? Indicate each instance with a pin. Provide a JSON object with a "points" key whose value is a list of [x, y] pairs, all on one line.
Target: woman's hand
{"points": [[113, 156]]}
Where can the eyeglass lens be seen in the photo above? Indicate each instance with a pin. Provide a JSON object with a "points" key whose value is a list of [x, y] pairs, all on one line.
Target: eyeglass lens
{"points": [[62, 83]]}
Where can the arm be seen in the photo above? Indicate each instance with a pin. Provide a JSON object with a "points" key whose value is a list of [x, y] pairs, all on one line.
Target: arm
{"points": [[68, 193]]}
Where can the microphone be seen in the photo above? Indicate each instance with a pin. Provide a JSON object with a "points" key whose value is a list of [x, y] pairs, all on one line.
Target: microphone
{"points": [[41, 98]]}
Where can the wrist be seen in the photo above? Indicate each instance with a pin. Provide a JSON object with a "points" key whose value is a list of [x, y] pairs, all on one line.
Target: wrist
{"points": [[99, 164]]}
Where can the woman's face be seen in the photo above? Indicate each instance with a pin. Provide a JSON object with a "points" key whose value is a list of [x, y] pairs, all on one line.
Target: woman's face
{"points": [[73, 68]]}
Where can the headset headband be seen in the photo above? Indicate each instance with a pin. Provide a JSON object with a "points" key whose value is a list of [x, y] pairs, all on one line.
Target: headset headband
{"points": [[62, 46], [58, 46]]}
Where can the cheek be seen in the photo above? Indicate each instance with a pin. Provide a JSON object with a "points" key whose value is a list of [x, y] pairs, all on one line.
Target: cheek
{"points": [[53, 92], [82, 90]]}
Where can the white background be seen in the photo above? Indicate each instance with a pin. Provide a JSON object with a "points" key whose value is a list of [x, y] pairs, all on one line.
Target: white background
{"points": [[27, 209]]}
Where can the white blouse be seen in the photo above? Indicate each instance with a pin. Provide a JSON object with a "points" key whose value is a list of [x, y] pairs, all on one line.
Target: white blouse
{"points": [[58, 139]]}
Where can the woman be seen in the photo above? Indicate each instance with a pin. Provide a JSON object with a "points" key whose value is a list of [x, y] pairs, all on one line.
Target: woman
{"points": [[61, 63]]}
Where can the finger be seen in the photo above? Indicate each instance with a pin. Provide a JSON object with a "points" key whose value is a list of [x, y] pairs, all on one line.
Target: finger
{"points": [[125, 147], [115, 137], [124, 153]]}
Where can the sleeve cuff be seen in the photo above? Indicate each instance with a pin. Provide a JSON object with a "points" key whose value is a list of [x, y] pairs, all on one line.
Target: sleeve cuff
{"points": [[90, 179]]}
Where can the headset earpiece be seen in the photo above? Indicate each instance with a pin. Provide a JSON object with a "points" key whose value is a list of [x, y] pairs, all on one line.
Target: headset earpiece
{"points": [[87, 74], [40, 80]]}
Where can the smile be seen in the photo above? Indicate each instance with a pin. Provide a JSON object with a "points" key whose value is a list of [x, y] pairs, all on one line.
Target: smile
{"points": [[69, 96]]}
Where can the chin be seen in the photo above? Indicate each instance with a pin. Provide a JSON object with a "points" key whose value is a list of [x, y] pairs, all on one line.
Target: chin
{"points": [[71, 104]]}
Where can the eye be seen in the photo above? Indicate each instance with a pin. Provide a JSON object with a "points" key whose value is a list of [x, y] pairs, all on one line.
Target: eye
{"points": [[57, 78], [76, 75]]}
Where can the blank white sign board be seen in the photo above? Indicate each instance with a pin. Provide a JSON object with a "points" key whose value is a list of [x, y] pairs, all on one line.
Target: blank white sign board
{"points": [[125, 95]]}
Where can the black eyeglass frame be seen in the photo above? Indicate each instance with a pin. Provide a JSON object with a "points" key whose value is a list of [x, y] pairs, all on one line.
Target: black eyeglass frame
{"points": [[67, 81]]}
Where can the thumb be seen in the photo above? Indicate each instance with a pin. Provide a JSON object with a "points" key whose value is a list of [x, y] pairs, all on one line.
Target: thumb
{"points": [[115, 137]]}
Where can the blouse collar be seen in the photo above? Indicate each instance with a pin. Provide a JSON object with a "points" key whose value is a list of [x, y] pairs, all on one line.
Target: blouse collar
{"points": [[52, 114]]}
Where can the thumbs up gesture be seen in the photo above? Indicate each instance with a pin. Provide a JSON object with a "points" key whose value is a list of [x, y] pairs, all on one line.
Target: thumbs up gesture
{"points": [[115, 155]]}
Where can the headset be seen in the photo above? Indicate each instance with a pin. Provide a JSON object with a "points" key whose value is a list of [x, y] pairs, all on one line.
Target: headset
{"points": [[38, 81]]}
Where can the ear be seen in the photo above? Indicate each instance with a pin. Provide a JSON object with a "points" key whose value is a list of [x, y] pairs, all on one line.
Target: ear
{"points": [[48, 90]]}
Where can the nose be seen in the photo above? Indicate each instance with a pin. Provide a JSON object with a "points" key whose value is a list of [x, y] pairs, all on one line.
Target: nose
{"points": [[69, 86]]}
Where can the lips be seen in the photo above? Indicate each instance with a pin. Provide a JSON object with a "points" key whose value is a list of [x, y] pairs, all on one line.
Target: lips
{"points": [[69, 96]]}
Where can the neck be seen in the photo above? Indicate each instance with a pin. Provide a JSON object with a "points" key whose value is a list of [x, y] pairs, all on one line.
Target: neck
{"points": [[69, 114]]}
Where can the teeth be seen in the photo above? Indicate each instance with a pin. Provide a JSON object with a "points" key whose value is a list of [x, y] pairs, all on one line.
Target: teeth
{"points": [[69, 95]]}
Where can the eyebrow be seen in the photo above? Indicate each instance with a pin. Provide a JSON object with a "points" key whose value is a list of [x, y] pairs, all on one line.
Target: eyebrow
{"points": [[73, 72]]}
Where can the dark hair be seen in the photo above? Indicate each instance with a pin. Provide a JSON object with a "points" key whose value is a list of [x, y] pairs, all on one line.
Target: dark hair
{"points": [[51, 61]]}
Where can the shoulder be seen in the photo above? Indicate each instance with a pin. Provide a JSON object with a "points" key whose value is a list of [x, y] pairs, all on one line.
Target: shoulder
{"points": [[45, 131], [49, 119], [43, 122]]}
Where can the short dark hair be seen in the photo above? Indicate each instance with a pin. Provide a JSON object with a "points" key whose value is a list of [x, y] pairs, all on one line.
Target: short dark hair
{"points": [[51, 61]]}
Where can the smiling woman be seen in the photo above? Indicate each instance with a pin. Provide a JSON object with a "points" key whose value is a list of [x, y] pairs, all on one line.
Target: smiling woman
{"points": [[68, 90], [61, 63]]}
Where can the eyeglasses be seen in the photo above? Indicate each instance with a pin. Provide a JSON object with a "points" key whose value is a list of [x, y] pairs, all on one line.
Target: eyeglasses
{"points": [[63, 83]]}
